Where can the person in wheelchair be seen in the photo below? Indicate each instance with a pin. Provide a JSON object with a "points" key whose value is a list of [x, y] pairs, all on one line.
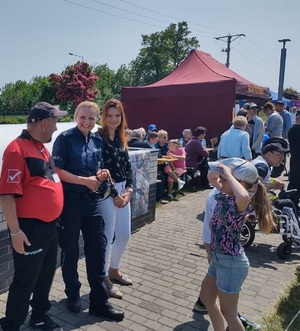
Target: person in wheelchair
{"points": [[277, 170], [286, 203], [272, 156]]}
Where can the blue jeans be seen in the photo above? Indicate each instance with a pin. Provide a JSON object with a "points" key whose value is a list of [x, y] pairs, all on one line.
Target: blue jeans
{"points": [[229, 271]]}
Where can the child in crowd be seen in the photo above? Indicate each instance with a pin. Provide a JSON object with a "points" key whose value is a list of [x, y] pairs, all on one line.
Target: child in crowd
{"points": [[175, 168], [152, 137], [228, 263], [206, 237]]}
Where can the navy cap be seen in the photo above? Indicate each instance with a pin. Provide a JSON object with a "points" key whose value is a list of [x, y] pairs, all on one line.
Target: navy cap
{"points": [[43, 110]]}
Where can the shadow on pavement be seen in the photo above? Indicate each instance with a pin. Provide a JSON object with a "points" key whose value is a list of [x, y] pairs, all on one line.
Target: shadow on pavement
{"points": [[199, 323]]}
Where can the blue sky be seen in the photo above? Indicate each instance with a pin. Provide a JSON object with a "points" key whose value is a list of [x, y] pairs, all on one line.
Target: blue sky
{"points": [[37, 35]]}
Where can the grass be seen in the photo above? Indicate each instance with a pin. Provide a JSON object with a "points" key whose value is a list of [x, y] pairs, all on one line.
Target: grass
{"points": [[281, 315]]}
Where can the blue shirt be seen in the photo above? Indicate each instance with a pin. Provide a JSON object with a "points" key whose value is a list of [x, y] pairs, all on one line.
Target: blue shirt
{"points": [[287, 123], [76, 154], [235, 143], [274, 125]]}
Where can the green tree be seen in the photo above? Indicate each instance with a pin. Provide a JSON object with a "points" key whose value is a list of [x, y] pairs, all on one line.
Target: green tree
{"points": [[17, 98], [291, 94], [123, 77], [104, 83], [110, 82], [161, 53]]}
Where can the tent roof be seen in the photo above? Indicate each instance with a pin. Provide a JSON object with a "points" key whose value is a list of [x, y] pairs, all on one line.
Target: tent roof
{"points": [[200, 68]]}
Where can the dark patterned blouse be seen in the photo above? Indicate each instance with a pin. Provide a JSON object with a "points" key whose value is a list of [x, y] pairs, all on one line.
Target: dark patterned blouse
{"points": [[117, 161], [227, 225]]}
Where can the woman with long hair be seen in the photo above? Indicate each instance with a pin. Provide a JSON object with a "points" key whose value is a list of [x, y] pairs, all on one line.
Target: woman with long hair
{"points": [[116, 214], [78, 158]]}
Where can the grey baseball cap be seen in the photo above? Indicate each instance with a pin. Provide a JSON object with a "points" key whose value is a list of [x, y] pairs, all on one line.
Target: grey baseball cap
{"points": [[241, 169]]}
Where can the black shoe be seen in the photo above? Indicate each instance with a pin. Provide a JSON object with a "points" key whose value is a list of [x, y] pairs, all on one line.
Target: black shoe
{"points": [[206, 187], [74, 306], [199, 307], [46, 324], [109, 312]]}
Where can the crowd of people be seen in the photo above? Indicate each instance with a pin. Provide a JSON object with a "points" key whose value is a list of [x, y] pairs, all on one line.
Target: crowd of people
{"points": [[250, 148], [86, 185], [247, 152]]}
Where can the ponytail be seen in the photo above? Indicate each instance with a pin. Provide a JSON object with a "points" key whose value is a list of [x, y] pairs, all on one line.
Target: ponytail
{"points": [[261, 205]]}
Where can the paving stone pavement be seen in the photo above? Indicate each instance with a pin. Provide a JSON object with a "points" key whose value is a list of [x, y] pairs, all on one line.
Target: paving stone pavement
{"points": [[167, 262]]}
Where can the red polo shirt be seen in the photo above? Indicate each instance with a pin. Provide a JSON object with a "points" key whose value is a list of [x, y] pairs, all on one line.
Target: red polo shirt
{"points": [[28, 173]]}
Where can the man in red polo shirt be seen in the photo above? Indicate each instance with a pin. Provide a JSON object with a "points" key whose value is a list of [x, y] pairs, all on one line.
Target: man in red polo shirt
{"points": [[32, 200]]}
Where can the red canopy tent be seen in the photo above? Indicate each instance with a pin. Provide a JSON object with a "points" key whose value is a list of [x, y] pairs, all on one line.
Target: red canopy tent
{"points": [[201, 91]]}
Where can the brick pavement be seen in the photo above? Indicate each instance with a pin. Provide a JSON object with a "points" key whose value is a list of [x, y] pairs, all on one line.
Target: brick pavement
{"points": [[167, 263]]}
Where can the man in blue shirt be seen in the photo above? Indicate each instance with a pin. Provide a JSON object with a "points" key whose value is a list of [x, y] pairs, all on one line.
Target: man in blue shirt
{"points": [[286, 117], [274, 123], [235, 142]]}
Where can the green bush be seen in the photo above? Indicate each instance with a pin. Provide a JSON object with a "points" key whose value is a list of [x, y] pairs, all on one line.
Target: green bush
{"points": [[13, 119], [66, 119], [21, 119]]}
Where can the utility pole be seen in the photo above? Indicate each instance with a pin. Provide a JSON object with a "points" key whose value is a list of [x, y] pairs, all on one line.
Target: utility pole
{"points": [[282, 68], [230, 39]]}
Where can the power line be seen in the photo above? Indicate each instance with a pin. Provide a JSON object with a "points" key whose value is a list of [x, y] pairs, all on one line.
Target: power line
{"points": [[255, 54], [115, 15], [162, 21], [253, 60], [262, 50], [176, 18], [130, 12], [272, 58]]}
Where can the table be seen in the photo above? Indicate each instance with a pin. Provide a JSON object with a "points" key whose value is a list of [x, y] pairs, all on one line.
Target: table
{"points": [[161, 160]]}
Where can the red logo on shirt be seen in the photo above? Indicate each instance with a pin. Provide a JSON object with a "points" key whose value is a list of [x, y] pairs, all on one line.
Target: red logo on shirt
{"points": [[14, 176]]}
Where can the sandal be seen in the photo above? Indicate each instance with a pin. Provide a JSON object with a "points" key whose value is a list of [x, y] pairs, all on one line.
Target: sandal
{"points": [[122, 279], [114, 292]]}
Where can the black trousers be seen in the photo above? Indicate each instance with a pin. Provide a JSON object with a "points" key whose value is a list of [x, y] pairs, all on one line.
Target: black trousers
{"points": [[83, 214], [34, 272], [294, 176], [203, 168]]}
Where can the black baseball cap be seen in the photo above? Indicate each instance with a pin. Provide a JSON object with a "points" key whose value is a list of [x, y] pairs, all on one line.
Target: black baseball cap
{"points": [[43, 110], [274, 147]]}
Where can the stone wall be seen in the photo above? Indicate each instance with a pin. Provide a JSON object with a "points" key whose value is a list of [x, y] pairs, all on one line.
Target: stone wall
{"points": [[6, 261]]}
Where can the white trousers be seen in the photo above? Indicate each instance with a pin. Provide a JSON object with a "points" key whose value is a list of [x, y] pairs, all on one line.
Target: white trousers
{"points": [[117, 224]]}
